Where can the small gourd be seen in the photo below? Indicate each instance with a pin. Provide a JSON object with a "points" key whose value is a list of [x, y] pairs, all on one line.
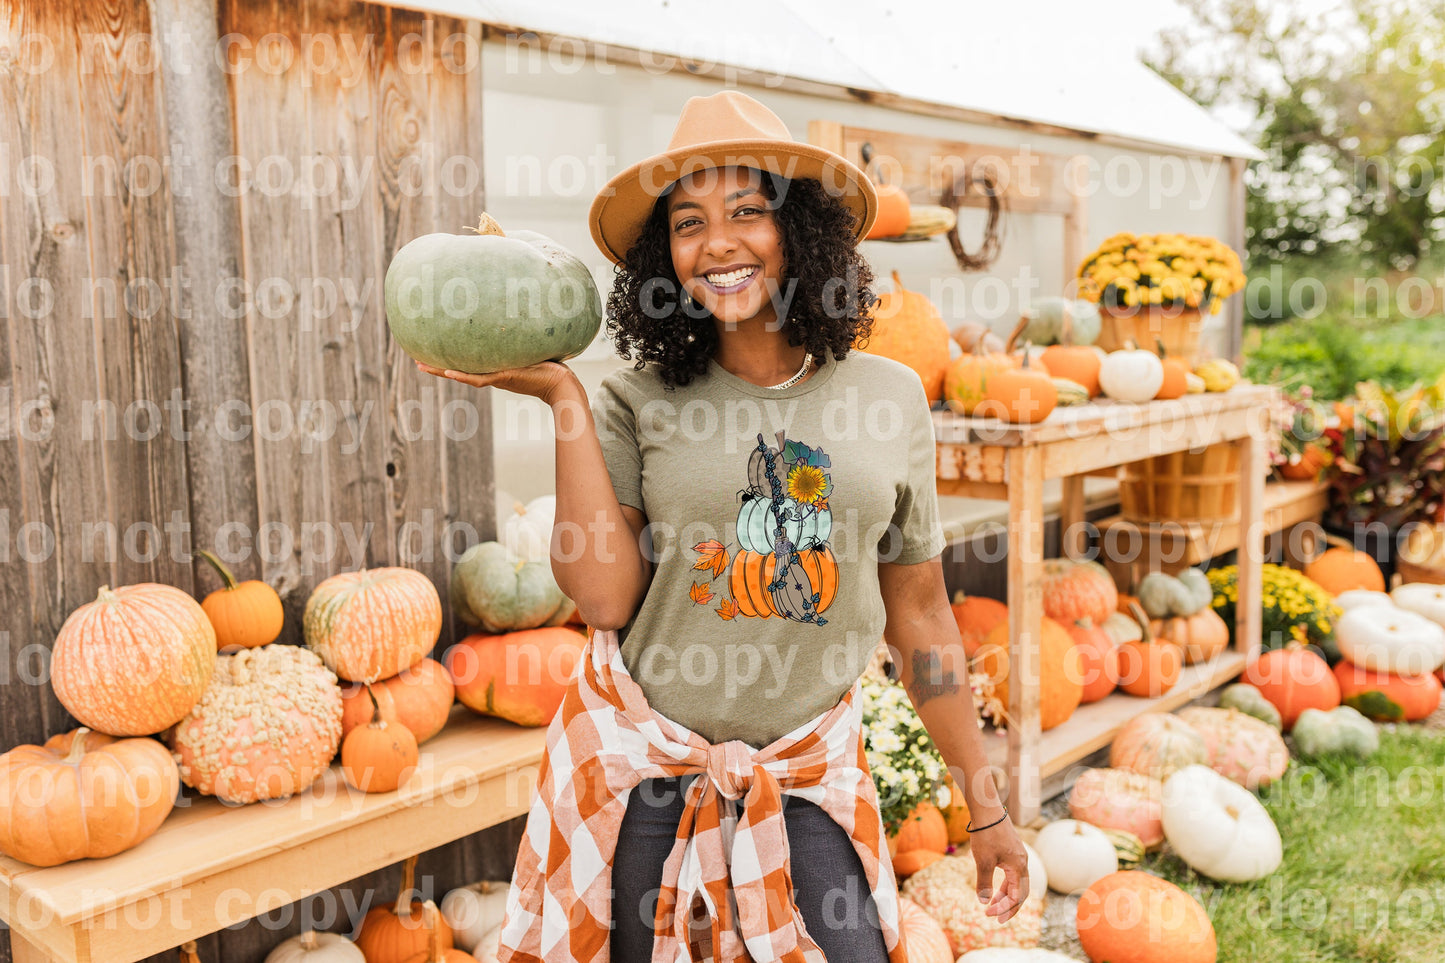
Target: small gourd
{"points": [[1176, 375], [244, 614], [1148, 668], [1218, 374], [1071, 393], [379, 756], [1193, 384], [1075, 854], [1249, 700], [1340, 730], [1131, 374]]}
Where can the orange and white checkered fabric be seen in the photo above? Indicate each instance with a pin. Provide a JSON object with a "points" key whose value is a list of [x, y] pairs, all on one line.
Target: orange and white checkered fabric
{"points": [[728, 869]]}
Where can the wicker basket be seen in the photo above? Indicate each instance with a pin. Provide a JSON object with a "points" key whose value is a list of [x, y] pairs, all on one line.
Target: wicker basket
{"points": [[1409, 571], [1182, 487], [1178, 328]]}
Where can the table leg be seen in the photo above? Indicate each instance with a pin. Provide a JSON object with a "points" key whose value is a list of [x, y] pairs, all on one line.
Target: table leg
{"points": [[1071, 517], [1248, 617], [1025, 617], [24, 951]]}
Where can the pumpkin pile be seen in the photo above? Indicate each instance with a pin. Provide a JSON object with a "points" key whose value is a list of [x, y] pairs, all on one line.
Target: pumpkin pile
{"points": [[945, 890], [1180, 612]]}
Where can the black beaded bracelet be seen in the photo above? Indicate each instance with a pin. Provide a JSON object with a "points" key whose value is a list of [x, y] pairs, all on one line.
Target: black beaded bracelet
{"points": [[970, 827]]}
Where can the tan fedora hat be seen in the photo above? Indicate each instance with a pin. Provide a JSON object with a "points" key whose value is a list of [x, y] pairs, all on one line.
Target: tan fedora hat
{"points": [[725, 129]]}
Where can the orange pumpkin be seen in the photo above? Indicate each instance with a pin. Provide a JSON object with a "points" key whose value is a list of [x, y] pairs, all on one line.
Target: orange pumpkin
{"points": [[397, 931], [1342, 567], [976, 617], [910, 862], [83, 795], [955, 814], [244, 614], [1200, 636], [1293, 679], [894, 213], [1098, 657], [1176, 375], [134, 661], [369, 625], [1417, 696], [1078, 590], [436, 951], [1022, 395], [967, 378], [1314, 458], [1061, 683], [1148, 668], [1077, 362], [420, 698], [908, 328], [925, 937], [379, 756], [924, 828], [1135, 917], [520, 676], [752, 572]]}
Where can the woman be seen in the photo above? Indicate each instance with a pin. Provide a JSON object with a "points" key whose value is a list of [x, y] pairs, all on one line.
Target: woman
{"points": [[738, 518]]}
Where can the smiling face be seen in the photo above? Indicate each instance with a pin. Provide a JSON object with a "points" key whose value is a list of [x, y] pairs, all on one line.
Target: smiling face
{"points": [[726, 246]]}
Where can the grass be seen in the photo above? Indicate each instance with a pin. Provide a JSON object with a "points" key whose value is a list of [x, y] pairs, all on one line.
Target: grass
{"points": [[1363, 877]]}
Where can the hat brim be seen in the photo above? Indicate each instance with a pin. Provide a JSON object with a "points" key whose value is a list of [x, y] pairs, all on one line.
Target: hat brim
{"points": [[622, 207]]}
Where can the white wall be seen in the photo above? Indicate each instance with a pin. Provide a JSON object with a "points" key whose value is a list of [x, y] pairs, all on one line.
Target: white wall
{"points": [[580, 124]]}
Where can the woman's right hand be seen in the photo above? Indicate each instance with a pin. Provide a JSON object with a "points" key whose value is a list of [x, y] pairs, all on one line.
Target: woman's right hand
{"points": [[545, 380]]}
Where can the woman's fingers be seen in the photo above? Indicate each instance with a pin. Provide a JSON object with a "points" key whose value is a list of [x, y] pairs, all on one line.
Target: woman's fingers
{"points": [[1010, 896]]}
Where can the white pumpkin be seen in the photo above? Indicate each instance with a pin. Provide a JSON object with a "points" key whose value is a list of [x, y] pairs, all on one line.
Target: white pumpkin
{"points": [[1131, 374], [1075, 855], [471, 911], [1218, 827], [314, 947], [490, 946], [1010, 954], [527, 532], [1356, 598], [1422, 598], [1392, 640]]}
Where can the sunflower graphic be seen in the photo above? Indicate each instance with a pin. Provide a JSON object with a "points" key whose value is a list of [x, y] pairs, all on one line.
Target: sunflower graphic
{"points": [[807, 484]]}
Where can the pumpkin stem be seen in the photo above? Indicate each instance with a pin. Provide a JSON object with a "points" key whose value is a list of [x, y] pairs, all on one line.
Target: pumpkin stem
{"points": [[219, 566], [958, 597], [519, 508], [408, 883], [1159, 343], [105, 594], [1143, 620], [897, 280], [486, 224], [77, 745], [309, 941], [188, 952], [377, 722], [434, 938], [1018, 330]]}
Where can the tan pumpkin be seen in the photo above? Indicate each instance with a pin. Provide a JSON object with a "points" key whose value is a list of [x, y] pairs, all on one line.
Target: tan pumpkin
{"points": [[1200, 636], [1078, 590], [1022, 395], [83, 796], [520, 676], [420, 698], [967, 379], [1157, 744], [370, 625], [1342, 567], [976, 616], [379, 756], [969, 333], [908, 328], [134, 661], [244, 614], [397, 931], [1148, 668], [266, 728], [926, 940], [1061, 683]]}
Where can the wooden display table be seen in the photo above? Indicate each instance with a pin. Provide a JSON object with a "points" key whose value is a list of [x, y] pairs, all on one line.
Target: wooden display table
{"points": [[987, 458], [211, 865]]}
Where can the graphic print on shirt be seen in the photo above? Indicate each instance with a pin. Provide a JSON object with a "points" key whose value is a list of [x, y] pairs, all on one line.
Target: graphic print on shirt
{"points": [[782, 565]]}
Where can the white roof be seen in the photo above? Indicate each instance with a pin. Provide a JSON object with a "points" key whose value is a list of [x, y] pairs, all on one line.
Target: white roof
{"points": [[981, 55]]}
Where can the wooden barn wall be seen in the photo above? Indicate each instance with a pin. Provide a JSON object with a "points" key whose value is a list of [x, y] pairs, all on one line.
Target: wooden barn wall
{"points": [[118, 358]]}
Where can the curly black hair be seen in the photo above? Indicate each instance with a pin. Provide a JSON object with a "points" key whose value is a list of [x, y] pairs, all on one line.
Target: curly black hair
{"points": [[830, 283]]}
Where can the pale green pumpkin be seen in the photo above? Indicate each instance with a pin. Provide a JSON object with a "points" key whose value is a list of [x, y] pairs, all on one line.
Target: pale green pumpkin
{"points": [[803, 526], [489, 301], [1046, 321], [491, 589], [1342, 729]]}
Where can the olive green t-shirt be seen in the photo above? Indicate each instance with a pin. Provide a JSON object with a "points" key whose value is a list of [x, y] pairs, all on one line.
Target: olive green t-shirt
{"points": [[769, 511]]}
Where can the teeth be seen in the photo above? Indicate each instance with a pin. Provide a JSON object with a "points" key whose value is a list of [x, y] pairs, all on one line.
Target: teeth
{"points": [[728, 280]]}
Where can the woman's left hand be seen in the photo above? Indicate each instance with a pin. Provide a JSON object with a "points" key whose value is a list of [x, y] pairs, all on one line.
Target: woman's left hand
{"points": [[1000, 847]]}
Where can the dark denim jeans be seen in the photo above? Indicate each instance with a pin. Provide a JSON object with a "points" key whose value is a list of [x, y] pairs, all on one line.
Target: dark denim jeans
{"points": [[829, 885]]}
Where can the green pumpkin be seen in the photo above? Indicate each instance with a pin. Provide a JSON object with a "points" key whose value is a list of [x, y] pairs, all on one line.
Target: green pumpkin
{"points": [[803, 526], [1127, 846], [1046, 321], [489, 301], [1341, 730], [1196, 583], [491, 589], [1249, 700]]}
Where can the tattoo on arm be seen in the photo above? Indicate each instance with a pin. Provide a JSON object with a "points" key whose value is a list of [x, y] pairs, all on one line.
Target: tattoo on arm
{"points": [[931, 678]]}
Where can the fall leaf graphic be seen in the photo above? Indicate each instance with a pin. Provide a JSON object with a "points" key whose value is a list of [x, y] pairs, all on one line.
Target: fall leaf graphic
{"points": [[700, 593], [727, 610], [714, 556]]}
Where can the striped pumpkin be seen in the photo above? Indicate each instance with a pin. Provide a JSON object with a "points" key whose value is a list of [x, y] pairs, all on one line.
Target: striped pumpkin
{"points": [[134, 661], [1158, 744], [370, 625], [752, 571]]}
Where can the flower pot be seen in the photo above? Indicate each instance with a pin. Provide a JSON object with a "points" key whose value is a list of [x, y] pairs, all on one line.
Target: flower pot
{"points": [[1177, 327]]}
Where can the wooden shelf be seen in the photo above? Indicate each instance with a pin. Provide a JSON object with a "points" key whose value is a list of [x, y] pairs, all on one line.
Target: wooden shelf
{"points": [[1286, 504], [1094, 726], [211, 865]]}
